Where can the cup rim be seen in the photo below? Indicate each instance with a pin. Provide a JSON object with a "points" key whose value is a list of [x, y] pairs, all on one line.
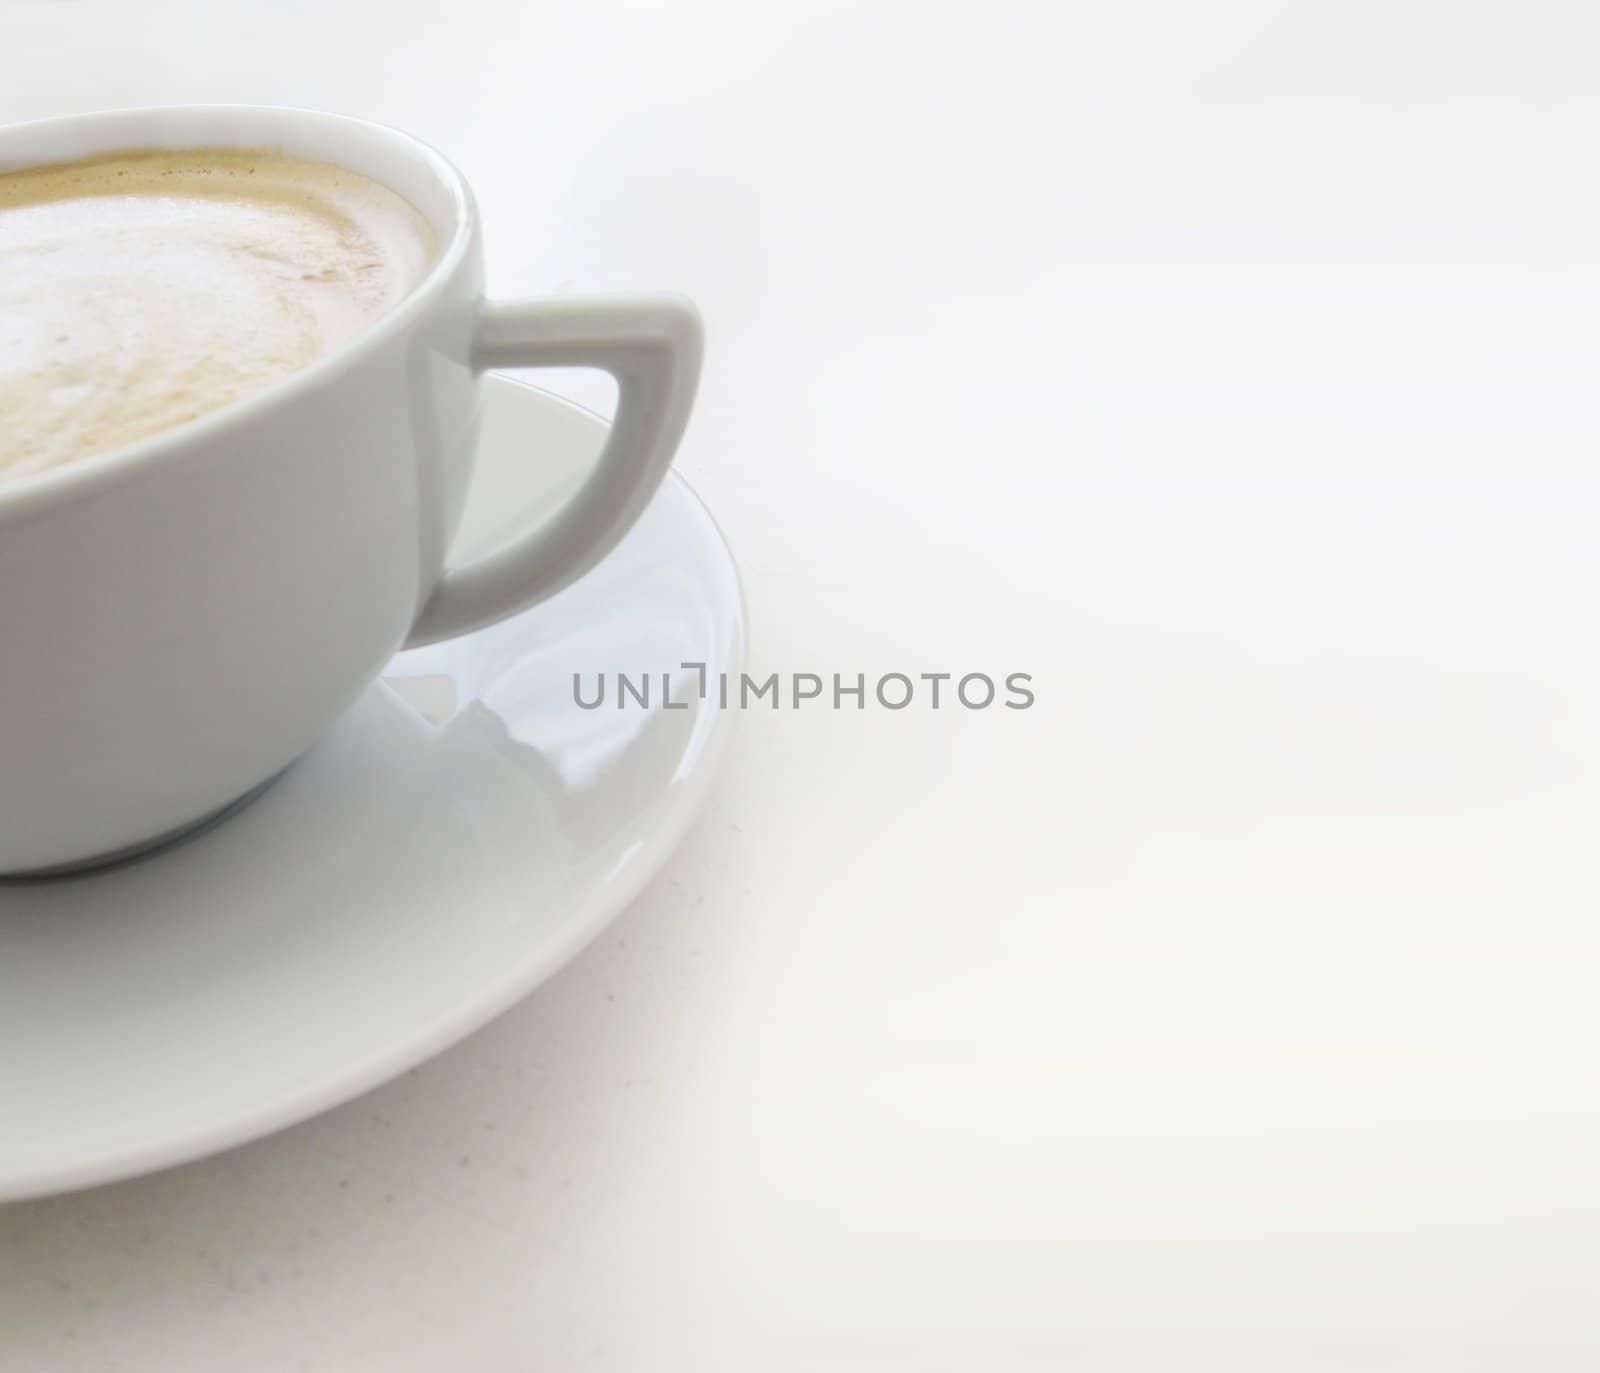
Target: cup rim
{"points": [[28, 493]]}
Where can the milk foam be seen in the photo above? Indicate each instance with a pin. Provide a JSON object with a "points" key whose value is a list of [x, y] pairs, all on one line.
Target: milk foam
{"points": [[142, 290]]}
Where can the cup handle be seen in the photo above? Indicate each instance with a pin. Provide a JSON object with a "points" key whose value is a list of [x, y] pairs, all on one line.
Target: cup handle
{"points": [[652, 346]]}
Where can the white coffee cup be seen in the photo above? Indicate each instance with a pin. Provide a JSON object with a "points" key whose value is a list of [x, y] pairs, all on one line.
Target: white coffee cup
{"points": [[181, 617]]}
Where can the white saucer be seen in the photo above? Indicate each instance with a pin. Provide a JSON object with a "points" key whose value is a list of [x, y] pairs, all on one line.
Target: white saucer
{"points": [[460, 834]]}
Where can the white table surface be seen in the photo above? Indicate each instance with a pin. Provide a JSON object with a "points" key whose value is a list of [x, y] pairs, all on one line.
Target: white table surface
{"points": [[1231, 368]]}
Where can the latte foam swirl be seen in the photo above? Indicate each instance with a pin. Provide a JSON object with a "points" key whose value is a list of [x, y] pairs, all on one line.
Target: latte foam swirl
{"points": [[140, 291]]}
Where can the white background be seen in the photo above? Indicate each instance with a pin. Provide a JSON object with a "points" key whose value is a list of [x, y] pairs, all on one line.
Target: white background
{"points": [[1231, 368]]}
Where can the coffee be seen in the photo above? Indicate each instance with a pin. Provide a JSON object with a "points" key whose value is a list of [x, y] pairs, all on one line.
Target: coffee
{"points": [[142, 290]]}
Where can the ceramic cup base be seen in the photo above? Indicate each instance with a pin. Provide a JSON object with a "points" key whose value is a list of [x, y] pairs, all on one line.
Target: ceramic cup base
{"points": [[146, 849]]}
